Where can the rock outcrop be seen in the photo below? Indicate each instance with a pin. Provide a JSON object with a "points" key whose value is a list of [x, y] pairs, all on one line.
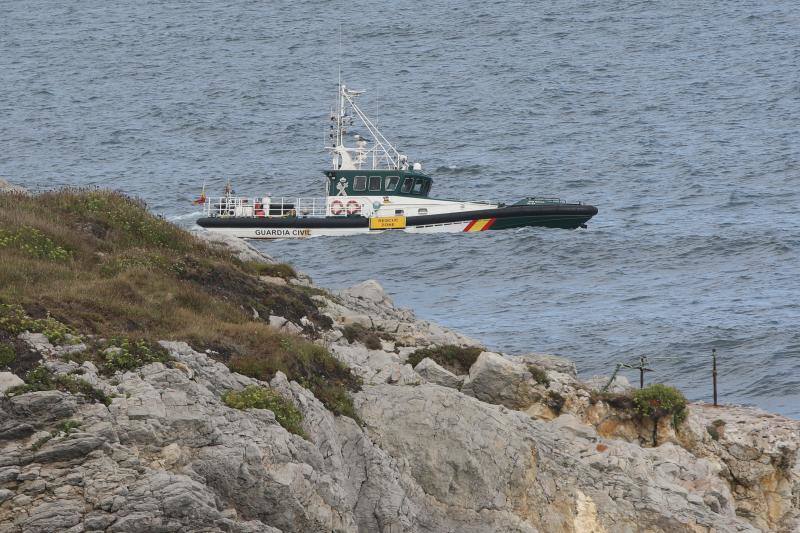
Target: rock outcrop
{"points": [[432, 372], [518, 445]]}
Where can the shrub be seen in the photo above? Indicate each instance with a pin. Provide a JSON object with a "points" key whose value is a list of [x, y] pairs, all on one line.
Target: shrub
{"points": [[34, 243], [657, 401], [555, 401], [126, 354], [273, 270], [311, 365], [40, 378], [255, 397], [125, 217], [41, 442], [539, 375], [68, 426], [7, 354], [357, 332], [454, 358], [14, 320]]}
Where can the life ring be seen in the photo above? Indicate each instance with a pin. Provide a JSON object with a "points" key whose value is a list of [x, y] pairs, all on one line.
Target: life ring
{"points": [[337, 208], [353, 207]]}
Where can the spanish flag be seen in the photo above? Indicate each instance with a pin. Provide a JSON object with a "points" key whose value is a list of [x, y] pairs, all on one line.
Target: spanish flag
{"points": [[202, 198]]}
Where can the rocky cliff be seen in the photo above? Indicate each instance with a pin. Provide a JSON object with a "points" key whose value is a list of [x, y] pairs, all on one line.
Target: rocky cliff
{"points": [[499, 443]]}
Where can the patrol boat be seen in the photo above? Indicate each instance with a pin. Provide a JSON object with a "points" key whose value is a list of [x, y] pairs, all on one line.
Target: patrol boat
{"points": [[373, 188]]}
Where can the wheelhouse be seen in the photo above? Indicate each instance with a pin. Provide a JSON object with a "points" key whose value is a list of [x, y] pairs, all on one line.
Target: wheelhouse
{"points": [[378, 182]]}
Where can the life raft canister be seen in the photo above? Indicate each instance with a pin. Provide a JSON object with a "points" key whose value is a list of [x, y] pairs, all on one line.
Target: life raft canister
{"points": [[337, 207], [353, 207]]}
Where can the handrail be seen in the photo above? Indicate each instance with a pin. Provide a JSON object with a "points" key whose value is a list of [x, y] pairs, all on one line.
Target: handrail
{"points": [[267, 207], [543, 200]]}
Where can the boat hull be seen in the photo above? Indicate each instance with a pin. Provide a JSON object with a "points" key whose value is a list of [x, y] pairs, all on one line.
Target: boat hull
{"points": [[565, 216]]}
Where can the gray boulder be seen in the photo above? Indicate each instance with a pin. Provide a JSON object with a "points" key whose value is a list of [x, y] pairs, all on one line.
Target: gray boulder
{"points": [[553, 363], [500, 380], [368, 291], [432, 372], [8, 380], [238, 247]]}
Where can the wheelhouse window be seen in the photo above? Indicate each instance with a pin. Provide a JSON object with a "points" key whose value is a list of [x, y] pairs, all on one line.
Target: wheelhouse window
{"points": [[426, 188], [374, 183], [418, 185], [407, 184], [391, 183], [360, 183]]}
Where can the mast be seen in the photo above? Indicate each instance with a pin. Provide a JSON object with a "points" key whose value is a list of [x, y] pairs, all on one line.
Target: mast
{"points": [[377, 152], [381, 152]]}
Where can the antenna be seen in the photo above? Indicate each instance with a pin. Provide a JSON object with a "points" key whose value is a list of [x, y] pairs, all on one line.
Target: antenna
{"points": [[340, 56]]}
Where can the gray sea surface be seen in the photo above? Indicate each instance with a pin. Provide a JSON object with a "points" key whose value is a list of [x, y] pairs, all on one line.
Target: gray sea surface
{"points": [[679, 120]]}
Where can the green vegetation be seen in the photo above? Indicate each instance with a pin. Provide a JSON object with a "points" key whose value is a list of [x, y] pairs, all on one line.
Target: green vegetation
{"points": [[14, 320], [368, 337], [653, 402], [273, 270], [7, 354], [539, 375], [308, 364], [66, 427], [454, 358], [254, 397], [126, 354], [34, 243], [41, 442], [134, 276], [656, 401], [40, 378]]}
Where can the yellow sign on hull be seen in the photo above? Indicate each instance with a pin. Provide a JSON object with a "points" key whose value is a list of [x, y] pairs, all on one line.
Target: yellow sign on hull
{"points": [[398, 222]]}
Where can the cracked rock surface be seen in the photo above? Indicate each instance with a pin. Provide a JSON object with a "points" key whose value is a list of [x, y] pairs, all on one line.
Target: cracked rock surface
{"points": [[433, 452]]}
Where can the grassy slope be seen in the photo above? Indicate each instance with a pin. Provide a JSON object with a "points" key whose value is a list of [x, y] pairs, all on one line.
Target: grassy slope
{"points": [[99, 262]]}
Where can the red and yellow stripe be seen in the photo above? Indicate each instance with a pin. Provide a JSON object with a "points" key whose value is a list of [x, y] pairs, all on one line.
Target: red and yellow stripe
{"points": [[480, 224]]}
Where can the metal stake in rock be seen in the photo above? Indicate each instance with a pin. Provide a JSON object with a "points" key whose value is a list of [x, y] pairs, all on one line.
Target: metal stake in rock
{"points": [[714, 373]]}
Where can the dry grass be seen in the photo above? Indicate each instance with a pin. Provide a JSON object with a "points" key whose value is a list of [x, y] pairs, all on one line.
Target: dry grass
{"points": [[98, 262]]}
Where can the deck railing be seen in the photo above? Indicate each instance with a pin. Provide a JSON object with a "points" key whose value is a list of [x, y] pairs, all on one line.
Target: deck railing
{"points": [[542, 200], [236, 206]]}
